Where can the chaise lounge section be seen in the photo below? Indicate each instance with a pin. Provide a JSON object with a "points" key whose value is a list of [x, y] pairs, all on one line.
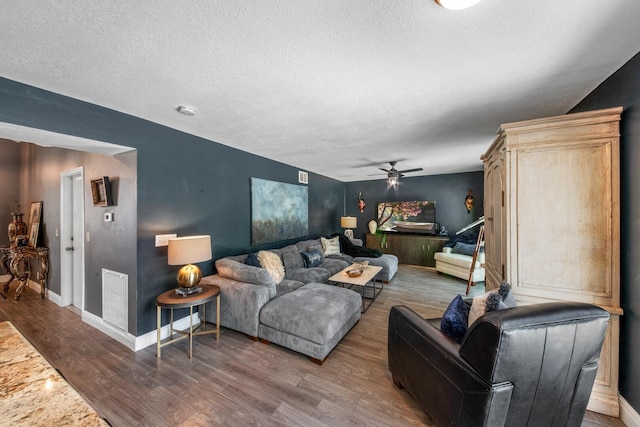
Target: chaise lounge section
{"points": [[300, 311]]}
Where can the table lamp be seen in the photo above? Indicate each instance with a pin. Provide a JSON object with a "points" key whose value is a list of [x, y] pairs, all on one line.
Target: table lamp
{"points": [[348, 222], [189, 250]]}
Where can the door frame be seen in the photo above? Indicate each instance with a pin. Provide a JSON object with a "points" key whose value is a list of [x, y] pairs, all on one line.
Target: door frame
{"points": [[66, 229]]}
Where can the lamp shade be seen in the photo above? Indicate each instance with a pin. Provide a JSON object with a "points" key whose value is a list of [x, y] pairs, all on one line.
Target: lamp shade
{"points": [[189, 250], [348, 222]]}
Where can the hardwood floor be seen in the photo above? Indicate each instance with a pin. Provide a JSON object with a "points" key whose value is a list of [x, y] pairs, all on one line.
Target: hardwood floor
{"points": [[237, 381]]}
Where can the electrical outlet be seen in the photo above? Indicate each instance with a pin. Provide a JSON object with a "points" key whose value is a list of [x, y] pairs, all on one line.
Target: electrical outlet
{"points": [[163, 239]]}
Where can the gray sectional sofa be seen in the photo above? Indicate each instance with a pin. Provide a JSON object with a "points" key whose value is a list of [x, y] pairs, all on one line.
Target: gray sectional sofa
{"points": [[301, 312]]}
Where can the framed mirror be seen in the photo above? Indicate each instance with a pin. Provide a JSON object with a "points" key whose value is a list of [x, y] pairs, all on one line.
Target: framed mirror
{"points": [[35, 219]]}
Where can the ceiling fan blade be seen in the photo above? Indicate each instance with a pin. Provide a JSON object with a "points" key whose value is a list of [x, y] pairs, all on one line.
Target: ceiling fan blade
{"points": [[383, 169], [411, 170]]}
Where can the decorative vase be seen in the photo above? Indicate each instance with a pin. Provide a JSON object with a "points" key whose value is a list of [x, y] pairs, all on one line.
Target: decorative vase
{"points": [[16, 228], [373, 226]]}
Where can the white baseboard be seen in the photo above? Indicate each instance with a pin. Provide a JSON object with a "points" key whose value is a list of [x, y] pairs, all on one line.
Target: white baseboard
{"points": [[130, 341], [628, 415]]}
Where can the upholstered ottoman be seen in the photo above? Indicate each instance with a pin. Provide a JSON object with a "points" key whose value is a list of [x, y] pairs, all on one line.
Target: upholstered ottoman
{"points": [[310, 320], [388, 262]]}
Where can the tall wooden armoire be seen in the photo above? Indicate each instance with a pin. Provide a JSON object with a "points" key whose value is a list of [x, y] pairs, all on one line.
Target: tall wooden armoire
{"points": [[552, 221]]}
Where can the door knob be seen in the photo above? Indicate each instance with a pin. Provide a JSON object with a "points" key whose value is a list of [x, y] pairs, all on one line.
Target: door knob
{"points": [[70, 248]]}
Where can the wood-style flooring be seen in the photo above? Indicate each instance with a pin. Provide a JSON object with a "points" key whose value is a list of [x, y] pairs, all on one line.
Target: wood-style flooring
{"points": [[237, 381]]}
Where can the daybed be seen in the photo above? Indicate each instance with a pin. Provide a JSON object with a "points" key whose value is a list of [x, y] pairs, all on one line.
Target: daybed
{"points": [[299, 310], [457, 263]]}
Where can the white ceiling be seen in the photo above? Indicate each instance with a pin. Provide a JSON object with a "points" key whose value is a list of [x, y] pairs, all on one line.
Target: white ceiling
{"points": [[336, 87]]}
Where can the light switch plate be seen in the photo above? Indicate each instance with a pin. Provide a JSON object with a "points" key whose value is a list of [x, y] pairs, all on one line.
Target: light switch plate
{"points": [[163, 239], [108, 217]]}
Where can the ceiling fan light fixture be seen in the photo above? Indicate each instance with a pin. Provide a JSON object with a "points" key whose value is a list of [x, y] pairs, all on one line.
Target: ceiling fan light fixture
{"points": [[392, 181], [456, 4]]}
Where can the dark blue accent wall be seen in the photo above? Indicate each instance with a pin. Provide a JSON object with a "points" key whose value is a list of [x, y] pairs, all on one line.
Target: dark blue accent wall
{"points": [[623, 89], [185, 185], [448, 191]]}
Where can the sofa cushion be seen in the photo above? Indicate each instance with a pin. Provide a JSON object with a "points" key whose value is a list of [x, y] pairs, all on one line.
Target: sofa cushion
{"points": [[235, 270], [314, 312], [292, 260], [271, 262], [313, 258], [455, 319], [308, 245], [309, 275], [330, 246]]}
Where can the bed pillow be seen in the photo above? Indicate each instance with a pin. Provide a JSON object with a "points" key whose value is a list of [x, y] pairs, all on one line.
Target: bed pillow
{"points": [[331, 246], [455, 319], [464, 248], [273, 264]]}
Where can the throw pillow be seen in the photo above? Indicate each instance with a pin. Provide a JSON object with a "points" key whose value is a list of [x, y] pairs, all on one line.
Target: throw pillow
{"points": [[252, 259], [478, 307], [507, 296], [454, 320], [312, 259], [464, 249], [499, 299], [273, 264], [330, 246]]}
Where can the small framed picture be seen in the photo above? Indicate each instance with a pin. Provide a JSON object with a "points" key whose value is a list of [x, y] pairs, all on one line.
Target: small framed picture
{"points": [[35, 218], [101, 191]]}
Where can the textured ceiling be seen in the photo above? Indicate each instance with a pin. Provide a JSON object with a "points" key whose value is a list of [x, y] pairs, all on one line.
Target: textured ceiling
{"points": [[334, 87]]}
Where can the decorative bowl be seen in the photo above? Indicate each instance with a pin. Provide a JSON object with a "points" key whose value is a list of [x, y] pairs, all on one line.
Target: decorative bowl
{"points": [[361, 265], [355, 272]]}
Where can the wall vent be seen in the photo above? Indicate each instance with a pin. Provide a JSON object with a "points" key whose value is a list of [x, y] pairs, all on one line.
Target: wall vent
{"points": [[303, 177], [114, 298]]}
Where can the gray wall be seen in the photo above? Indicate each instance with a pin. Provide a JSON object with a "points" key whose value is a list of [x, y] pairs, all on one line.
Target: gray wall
{"points": [[9, 186], [449, 192], [111, 244], [623, 89]]}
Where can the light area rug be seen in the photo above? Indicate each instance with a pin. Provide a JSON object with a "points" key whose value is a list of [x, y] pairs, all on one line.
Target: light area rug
{"points": [[32, 392]]}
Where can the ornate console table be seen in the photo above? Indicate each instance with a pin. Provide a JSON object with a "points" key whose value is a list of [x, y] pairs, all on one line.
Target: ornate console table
{"points": [[17, 262]]}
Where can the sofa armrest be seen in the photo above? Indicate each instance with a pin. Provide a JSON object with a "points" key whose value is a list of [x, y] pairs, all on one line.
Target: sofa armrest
{"points": [[240, 304], [234, 270], [420, 356]]}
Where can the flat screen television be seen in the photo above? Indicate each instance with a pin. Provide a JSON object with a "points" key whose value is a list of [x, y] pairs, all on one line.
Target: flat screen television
{"points": [[415, 216]]}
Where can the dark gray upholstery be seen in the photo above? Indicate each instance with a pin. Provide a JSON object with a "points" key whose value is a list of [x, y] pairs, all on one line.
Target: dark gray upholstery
{"points": [[532, 365]]}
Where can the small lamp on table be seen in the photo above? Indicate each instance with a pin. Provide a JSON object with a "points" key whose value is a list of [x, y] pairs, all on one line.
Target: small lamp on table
{"points": [[189, 250]]}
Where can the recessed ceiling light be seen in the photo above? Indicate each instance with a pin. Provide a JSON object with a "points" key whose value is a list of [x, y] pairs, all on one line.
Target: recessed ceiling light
{"points": [[456, 4], [187, 111]]}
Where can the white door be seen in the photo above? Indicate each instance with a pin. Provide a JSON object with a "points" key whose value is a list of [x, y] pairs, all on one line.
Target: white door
{"points": [[72, 238]]}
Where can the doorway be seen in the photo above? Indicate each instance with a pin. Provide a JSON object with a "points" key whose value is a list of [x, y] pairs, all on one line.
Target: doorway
{"points": [[72, 238]]}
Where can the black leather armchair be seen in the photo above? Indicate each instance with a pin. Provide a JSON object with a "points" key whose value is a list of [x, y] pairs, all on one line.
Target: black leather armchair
{"points": [[531, 365]]}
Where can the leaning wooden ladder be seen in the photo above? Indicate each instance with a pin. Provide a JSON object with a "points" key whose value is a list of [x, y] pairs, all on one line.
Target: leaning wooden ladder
{"points": [[475, 257]]}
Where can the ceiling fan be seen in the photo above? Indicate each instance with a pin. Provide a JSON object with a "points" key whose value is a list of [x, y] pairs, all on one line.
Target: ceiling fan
{"points": [[394, 175]]}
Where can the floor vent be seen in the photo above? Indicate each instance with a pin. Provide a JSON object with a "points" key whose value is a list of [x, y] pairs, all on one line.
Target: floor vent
{"points": [[114, 298]]}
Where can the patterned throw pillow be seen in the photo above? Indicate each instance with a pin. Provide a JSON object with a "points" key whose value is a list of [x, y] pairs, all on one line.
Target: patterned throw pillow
{"points": [[493, 300], [331, 246], [273, 264], [312, 259]]}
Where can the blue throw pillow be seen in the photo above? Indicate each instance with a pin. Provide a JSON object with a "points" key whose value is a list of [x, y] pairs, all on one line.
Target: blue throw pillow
{"points": [[454, 320], [313, 258], [464, 249], [252, 259]]}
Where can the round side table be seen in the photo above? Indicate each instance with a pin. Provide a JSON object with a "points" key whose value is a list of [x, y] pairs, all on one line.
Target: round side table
{"points": [[170, 300]]}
